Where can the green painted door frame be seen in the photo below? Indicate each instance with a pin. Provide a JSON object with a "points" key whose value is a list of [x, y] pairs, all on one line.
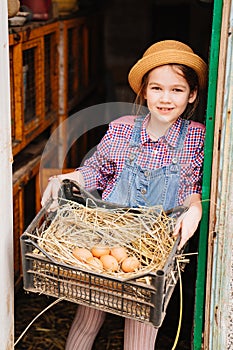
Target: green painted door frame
{"points": [[210, 121]]}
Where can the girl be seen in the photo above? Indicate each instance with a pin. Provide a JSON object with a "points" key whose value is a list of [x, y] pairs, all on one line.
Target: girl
{"points": [[148, 160]]}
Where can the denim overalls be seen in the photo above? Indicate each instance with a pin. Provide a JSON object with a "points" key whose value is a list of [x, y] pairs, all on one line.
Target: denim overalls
{"points": [[138, 187]]}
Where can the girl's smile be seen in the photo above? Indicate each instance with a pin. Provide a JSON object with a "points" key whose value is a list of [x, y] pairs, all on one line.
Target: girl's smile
{"points": [[167, 95], [164, 110]]}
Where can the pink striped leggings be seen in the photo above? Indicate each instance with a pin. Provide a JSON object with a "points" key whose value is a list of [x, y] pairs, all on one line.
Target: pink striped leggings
{"points": [[88, 321]]}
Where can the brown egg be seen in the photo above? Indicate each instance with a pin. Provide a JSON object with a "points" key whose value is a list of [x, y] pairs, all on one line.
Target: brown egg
{"points": [[130, 264], [98, 251], [109, 262], [95, 263], [81, 254], [120, 253]]}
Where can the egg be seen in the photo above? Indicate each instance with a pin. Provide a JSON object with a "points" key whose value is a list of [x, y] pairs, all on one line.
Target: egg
{"points": [[120, 253], [100, 250], [82, 254], [109, 263], [130, 264], [95, 263]]}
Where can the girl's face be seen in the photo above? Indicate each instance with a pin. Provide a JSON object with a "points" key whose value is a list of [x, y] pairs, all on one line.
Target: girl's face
{"points": [[167, 94]]}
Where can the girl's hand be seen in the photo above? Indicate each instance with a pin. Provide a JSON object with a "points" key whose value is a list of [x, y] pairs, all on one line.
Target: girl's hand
{"points": [[51, 191], [188, 222], [54, 185]]}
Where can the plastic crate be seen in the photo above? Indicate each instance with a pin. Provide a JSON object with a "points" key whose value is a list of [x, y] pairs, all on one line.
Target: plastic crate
{"points": [[144, 298]]}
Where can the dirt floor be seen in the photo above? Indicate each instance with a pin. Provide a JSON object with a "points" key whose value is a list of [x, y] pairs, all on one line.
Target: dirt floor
{"points": [[50, 330]]}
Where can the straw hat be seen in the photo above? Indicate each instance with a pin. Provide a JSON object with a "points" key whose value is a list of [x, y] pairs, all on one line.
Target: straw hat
{"points": [[165, 52]]}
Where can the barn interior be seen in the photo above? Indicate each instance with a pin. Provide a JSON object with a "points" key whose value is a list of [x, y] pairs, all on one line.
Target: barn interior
{"points": [[119, 32]]}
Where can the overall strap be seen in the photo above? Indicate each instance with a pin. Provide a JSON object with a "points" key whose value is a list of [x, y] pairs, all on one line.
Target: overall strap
{"points": [[180, 144], [136, 133]]}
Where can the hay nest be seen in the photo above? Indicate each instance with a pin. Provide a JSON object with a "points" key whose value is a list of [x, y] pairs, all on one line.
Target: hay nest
{"points": [[146, 233]]}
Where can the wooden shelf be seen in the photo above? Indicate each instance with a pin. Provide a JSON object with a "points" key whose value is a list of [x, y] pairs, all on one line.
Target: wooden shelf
{"points": [[34, 83], [54, 66]]}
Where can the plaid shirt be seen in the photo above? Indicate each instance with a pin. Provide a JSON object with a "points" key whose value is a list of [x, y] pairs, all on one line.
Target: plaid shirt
{"points": [[103, 169]]}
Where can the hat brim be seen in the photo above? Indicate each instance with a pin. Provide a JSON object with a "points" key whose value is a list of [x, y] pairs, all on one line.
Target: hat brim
{"points": [[171, 56]]}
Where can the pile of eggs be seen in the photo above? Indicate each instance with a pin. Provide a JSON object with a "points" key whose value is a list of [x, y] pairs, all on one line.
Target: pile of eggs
{"points": [[108, 259]]}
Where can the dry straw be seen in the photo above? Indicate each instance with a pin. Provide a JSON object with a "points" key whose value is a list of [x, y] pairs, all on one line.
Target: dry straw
{"points": [[145, 232]]}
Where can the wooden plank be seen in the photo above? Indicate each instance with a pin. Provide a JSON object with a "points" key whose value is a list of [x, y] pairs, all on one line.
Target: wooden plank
{"points": [[215, 166], [18, 224], [17, 81]]}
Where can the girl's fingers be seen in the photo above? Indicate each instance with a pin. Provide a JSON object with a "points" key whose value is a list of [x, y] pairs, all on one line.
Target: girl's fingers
{"points": [[178, 230], [55, 186], [54, 205], [186, 227], [51, 191], [178, 227], [182, 241], [46, 194]]}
